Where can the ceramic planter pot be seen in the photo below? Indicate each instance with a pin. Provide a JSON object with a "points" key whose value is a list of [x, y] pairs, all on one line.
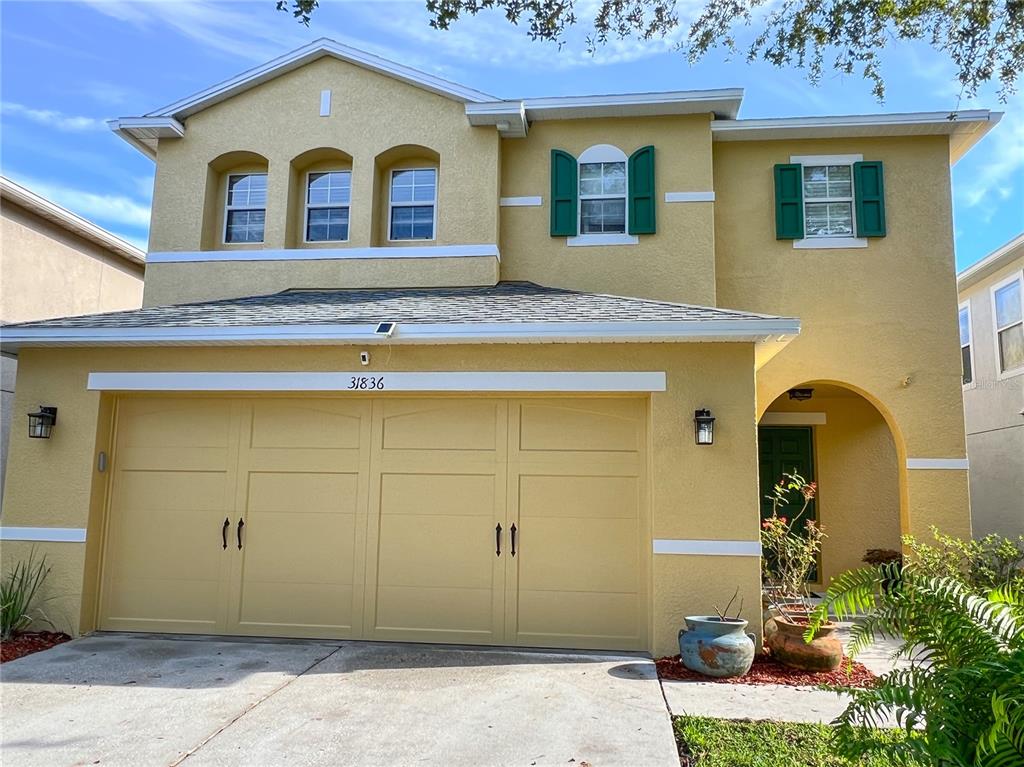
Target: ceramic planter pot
{"points": [[713, 647], [823, 653]]}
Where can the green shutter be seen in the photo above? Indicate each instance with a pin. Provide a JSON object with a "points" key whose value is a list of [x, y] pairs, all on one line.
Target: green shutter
{"points": [[641, 191], [869, 197], [564, 189], [789, 202]]}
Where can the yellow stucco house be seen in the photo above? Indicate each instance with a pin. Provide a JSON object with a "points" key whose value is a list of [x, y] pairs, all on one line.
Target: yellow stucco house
{"points": [[417, 363]]}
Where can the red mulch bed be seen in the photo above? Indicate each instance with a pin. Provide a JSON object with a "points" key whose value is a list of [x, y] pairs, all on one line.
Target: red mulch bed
{"points": [[768, 671], [29, 642]]}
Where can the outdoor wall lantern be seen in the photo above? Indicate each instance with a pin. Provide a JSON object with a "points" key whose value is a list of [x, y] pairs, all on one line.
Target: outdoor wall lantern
{"points": [[703, 427], [40, 423], [801, 395]]}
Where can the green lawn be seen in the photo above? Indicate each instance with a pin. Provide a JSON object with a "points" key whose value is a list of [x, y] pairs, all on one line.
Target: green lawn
{"points": [[720, 743]]}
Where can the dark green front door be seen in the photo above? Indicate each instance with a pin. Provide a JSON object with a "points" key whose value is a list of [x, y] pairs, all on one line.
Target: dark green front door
{"points": [[786, 450]]}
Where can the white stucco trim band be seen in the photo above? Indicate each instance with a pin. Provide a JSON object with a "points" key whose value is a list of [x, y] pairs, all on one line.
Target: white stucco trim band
{"points": [[330, 254], [689, 196], [372, 381], [794, 419], [960, 464], [47, 534], [521, 202], [708, 548]]}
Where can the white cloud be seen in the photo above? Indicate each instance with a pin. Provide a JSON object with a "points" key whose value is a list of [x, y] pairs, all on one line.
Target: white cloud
{"points": [[999, 167], [108, 210], [51, 117]]}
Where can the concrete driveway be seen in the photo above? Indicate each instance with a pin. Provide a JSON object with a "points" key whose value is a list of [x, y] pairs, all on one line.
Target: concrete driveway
{"points": [[141, 700]]}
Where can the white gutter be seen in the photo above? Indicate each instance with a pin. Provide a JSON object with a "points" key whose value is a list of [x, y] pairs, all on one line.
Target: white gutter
{"points": [[751, 331]]}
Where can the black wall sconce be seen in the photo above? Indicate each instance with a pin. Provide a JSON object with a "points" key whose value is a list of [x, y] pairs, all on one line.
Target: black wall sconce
{"points": [[801, 395], [703, 427], [40, 423]]}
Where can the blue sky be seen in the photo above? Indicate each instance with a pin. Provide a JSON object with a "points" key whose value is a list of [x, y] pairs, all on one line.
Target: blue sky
{"points": [[65, 67]]}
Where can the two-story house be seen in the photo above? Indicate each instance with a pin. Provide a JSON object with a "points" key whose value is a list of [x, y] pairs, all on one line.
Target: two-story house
{"points": [[417, 363], [991, 315]]}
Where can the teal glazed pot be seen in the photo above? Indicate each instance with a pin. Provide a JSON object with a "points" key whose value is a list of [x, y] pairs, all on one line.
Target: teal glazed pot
{"points": [[713, 647]]}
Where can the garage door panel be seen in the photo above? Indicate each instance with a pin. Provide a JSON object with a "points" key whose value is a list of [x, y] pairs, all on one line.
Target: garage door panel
{"points": [[157, 604], [185, 491], [308, 424], [161, 544], [581, 496], [184, 423], [598, 621], [436, 614], [574, 555], [305, 492], [198, 459], [437, 551], [580, 426], [439, 425], [326, 542], [438, 494], [312, 610]]}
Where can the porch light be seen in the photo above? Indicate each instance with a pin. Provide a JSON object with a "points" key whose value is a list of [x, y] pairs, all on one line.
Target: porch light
{"points": [[40, 423], [703, 427], [801, 395]]}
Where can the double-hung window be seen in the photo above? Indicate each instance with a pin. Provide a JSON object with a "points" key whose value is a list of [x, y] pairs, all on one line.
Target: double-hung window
{"points": [[1008, 311], [828, 200], [966, 356], [328, 196], [245, 214], [603, 197], [413, 204]]}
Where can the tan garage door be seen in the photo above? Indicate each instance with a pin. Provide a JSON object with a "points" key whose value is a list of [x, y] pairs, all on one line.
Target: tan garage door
{"points": [[471, 519]]}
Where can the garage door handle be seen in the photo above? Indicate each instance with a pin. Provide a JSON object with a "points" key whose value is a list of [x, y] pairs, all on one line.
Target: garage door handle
{"points": [[512, 530], [497, 540], [224, 532], [241, 524]]}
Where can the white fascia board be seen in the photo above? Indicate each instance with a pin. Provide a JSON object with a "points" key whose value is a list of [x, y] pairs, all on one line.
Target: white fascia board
{"points": [[509, 117], [307, 53], [541, 381], [992, 263], [723, 102], [749, 331], [329, 254], [144, 132]]}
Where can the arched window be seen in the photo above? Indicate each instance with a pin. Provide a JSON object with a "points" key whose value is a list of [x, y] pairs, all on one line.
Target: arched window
{"points": [[603, 190]]}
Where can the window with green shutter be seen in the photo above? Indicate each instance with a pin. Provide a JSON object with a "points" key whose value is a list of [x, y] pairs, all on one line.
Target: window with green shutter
{"points": [[564, 190], [789, 202], [869, 196], [641, 191]]}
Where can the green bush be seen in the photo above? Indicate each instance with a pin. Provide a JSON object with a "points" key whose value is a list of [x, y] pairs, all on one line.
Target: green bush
{"points": [[964, 686], [18, 590], [984, 564]]}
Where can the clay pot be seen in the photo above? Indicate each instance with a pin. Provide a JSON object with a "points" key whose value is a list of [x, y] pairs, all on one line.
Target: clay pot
{"points": [[716, 647], [823, 653]]}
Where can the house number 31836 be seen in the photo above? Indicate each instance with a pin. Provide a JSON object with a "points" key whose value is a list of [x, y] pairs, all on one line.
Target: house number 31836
{"points": [[366, 382]]}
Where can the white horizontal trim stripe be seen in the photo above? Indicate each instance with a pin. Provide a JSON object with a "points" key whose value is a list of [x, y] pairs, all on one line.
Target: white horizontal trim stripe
{"points": [[826, 159], [482, 332], [708, 548], [689, 196], [589, 240], [938, 463], [830, 243], [383, 381], [521, 202], [50, 534], [315, 254], [793, 419]]}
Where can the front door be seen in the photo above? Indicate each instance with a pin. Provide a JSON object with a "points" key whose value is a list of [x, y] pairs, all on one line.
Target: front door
{"points": [[786, 450]]}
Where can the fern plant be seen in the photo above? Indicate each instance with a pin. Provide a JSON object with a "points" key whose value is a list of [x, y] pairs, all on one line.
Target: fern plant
{"points": [[18, 590], [963, 689]]}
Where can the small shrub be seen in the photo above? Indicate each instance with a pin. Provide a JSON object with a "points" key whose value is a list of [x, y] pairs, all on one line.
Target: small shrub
{"points": [[982, 565], [18, 590]]}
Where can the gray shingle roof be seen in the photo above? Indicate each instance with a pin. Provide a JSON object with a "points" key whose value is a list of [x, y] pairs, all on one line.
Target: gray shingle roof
{"points": [[506, 302]]}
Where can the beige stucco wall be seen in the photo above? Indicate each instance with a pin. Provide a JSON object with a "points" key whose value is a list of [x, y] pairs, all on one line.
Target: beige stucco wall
{"points": [[857, 472], [880, 319], [675, 264], [695, 492], [993, 407], [374, 119], [47, 271]]}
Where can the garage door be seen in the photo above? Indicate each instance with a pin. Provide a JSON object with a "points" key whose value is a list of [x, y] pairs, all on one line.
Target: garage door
{"points": [[471, 519]]}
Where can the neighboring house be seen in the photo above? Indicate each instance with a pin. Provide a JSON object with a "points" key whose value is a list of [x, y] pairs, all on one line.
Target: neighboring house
{"points": [[417, 363], [992, 349], [53, 264]]}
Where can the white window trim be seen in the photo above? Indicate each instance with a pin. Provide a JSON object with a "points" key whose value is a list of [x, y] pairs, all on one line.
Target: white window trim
{"points": [[970, 343], [228, 207], [1016, 277], [601, 153], [392, 205], [829, 243], [307, 207]]}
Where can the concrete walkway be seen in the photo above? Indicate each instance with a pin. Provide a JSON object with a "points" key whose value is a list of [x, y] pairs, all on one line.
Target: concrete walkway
{"points": [[134, 700], [779, 703]]}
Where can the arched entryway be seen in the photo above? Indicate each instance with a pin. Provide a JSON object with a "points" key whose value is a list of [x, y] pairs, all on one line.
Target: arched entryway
{"points": [[834, 435]]}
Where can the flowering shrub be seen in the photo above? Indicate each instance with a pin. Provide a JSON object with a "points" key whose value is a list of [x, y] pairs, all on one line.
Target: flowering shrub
{"points": [[789, 553]]}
